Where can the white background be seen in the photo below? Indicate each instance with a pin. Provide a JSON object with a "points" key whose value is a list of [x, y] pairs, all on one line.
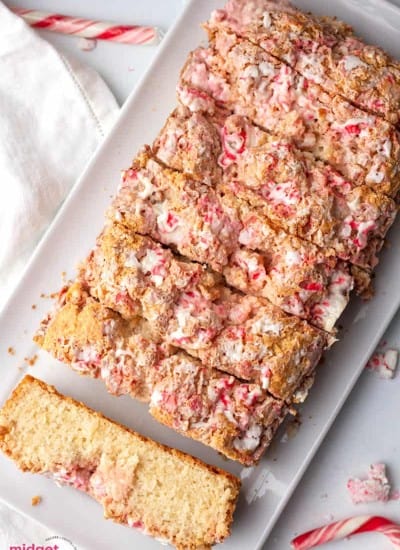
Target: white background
{"points": [[367, 429]]}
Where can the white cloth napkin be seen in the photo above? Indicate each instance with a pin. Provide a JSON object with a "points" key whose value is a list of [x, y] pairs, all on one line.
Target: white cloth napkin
{"points": [[16, 529], [54, 112]]}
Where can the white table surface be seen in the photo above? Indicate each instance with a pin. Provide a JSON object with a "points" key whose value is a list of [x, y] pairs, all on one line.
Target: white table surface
{"points": [[366, 430]]}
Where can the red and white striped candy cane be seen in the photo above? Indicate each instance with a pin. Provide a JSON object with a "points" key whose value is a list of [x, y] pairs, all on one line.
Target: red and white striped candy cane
{"points": [[88, 28], [346, 528]]}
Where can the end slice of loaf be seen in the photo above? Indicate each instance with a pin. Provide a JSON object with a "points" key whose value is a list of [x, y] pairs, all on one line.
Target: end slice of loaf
{"points": [[165, 493]]}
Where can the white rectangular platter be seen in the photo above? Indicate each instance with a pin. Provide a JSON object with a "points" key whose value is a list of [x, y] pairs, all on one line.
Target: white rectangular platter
{"points": [[266, 488]]}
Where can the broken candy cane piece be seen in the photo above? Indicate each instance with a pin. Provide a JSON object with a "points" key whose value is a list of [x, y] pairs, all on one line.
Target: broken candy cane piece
{"points": [[346, 528], [375, 488], [384, 363]]}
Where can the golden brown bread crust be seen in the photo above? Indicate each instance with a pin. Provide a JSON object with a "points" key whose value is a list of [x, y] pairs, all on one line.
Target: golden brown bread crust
{"points": [[9, 428]]}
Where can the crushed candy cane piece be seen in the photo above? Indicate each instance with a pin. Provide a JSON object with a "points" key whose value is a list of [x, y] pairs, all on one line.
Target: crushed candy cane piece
{"points": [[376, 488], [87, 44], [384, 363]]}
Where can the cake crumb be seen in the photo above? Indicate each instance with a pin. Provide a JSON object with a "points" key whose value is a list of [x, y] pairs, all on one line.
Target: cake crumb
{"points": [[11, 351], [49, 296], [291, 429], [33, 306], [30, 361], [36, 500]]}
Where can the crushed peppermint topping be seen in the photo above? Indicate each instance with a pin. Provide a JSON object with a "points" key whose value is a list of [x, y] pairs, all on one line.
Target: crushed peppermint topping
{"points": [[354, 125], [167, 222], [266, 324], [375, 176], [352, 61], [284, 193], [266, 69], [328, 310], [266, 374], [292, 257], [156, 398], [137, 524], [266, 20], [251, 439], [384, 363], [376, 488], [131, 260], [154, 264], [251, 71], [361, 229], [75, 476], [234, 144], [387, 148], [147, 187]]}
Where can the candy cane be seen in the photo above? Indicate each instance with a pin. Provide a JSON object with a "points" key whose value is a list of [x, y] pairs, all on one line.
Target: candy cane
{"points": [[347, 528], [88, 28]]}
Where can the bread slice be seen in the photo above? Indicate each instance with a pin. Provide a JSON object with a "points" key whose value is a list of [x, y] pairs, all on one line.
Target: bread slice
{"points": [[165, 493]]}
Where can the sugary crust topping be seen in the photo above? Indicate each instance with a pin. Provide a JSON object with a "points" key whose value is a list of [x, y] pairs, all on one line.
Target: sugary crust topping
{"points": [[363, 147], [254, 256], [218, 408], [178, 212], [305, 197], [136, 276], [243, 335], [384, 363], [323, 50], [353, 225], [266, 346]]}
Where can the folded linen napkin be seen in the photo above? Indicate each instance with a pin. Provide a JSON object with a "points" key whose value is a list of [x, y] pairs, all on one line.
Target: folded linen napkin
{"points": [[16, 529], [54, 112]]}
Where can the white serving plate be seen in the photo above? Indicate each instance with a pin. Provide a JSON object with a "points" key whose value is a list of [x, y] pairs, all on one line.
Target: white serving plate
{"points": [[266, 488]]}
